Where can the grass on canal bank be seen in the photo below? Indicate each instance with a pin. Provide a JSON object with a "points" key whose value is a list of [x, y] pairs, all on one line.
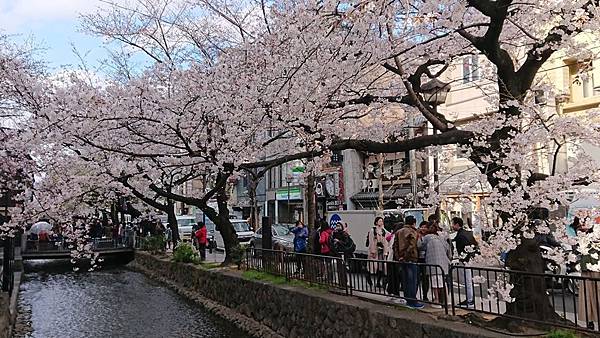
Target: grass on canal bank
{"points": [[561, 334], [279, 280]]}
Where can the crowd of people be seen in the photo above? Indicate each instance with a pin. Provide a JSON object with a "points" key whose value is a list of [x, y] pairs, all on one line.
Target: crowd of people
{"points": [[401, 258]]}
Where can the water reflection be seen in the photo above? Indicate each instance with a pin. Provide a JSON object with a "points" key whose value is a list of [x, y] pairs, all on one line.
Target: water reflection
{"points": [[110, 303]]}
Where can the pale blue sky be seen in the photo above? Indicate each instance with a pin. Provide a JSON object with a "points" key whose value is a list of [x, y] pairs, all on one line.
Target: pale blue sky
{"points": [[55, 25]]}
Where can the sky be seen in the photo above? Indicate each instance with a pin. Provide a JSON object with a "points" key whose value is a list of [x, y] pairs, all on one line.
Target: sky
{"points": [[54, 25]]}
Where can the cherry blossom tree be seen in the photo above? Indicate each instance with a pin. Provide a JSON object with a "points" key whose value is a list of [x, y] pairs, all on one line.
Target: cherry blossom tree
{"points": [[252, 85]]}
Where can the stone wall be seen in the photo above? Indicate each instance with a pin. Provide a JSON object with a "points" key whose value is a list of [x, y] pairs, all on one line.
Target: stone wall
{"points": [[299, 312]]}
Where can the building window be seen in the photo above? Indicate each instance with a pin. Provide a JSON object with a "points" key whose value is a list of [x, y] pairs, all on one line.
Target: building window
{"points": [[470, 68], [582, 79], [280, 178], [587, 82], [272, 179]]}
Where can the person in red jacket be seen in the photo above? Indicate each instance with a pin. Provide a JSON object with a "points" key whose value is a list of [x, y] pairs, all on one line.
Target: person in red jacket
{"points": [[325, 234], [202, 239]]}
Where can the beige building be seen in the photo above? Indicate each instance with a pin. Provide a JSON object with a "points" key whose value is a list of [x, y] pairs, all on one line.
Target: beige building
{"points": [[574, 88]]}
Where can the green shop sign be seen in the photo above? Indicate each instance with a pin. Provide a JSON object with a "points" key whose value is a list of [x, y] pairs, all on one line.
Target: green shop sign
{"points": [[295, 193]]}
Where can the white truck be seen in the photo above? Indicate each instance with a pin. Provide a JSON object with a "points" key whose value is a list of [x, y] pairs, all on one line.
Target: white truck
{"points": [[360, 222]]}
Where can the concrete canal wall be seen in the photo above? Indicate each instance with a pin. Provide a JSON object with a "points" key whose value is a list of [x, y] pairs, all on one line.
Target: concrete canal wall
{"points": [[268, 310]]}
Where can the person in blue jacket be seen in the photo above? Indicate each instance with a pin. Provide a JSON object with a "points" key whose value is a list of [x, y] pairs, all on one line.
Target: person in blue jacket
{"points": [[300, 237]]}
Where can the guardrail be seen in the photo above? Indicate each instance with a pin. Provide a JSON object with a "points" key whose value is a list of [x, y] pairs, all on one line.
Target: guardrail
{"points": [[314, 269], [63, 245], [8, 261], [575, 299], [410, 282]]}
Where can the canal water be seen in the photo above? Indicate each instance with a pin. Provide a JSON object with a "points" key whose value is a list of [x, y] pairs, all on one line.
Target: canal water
{"points": [[54, 301]]}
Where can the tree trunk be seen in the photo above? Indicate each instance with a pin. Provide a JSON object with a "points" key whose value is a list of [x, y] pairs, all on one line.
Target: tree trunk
{"points": [[223, 225], [172, 222], [311, 207], [253, 203], [531, 301]]}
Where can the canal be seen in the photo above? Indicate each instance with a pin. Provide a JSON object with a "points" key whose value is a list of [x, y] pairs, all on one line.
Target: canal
{"points": [[54, 301]]}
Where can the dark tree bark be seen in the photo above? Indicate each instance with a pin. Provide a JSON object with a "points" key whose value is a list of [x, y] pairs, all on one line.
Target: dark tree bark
{"points": [[220, 216], [168, 207], [172, 222]]}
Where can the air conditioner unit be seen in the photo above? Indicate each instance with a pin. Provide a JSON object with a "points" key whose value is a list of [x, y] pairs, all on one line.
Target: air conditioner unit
{"points": [[540, 97], [373, 184], [364, 184]]}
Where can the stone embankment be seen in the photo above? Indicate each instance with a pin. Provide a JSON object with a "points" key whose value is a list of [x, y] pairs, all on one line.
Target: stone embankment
{"points": [[268, 310]]}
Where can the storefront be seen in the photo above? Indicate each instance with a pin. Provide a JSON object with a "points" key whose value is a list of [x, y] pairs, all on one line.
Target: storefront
{"points": [[288, 204]]}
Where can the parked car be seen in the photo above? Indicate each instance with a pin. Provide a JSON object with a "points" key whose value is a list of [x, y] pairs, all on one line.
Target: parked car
{"points": [[281, 235], [242, 230], [185, 224]]}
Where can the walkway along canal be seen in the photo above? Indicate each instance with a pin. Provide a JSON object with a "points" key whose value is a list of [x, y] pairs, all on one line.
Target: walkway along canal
{"points": [[54, 301]]}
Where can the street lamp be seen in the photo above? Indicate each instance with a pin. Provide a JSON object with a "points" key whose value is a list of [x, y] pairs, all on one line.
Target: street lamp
{"points": [[435, 93], [288, 180]]}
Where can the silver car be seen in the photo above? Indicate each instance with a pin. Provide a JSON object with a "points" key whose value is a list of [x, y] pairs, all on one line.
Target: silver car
{"points": [[281, 235]]}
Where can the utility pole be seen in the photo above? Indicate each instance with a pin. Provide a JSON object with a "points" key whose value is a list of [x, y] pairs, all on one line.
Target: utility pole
{"points": [[380, 203], [413, 165]]}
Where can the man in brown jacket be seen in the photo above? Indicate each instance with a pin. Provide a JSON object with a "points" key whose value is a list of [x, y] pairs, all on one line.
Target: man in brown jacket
{"points": [[406, 251]]}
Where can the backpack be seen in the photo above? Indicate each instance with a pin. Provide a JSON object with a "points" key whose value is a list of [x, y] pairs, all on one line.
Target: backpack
{"points": [[316, 245], [346, 247]]}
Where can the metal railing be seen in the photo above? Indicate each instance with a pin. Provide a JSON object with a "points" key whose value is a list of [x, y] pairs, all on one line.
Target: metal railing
{"points": [[63, 245], [327, 271], [572, 301], [575, 299], [8, 260], [412, 282]]}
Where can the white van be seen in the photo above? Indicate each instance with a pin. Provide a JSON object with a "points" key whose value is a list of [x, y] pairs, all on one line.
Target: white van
{"points": [[360, 222], [185, 223], [242, 230]]}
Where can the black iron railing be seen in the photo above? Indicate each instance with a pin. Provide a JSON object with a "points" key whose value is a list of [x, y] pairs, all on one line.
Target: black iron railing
{"points": [[573, 301], [64, 245], [8, 260], [328, 271], [412, 282]]}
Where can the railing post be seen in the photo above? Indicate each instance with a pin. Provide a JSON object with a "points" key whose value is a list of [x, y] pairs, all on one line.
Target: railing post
{"points": [[284, 255], [7, 273], [445, 299], [346, 276], [248, 258], [349, 276], [451, 285]]}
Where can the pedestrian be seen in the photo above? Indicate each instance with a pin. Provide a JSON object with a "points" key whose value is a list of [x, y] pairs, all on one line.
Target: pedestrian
{"points": [[169, 237], [300, 236], [315, 236], [574, 227], [202, 240], [193, 239], [324, 234], [341, 243], [115, 232], [324, 239], [437, 257], [393, 267], [466, 247], [407, 253], [422, 232], [378, 249], [343, 247]]}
